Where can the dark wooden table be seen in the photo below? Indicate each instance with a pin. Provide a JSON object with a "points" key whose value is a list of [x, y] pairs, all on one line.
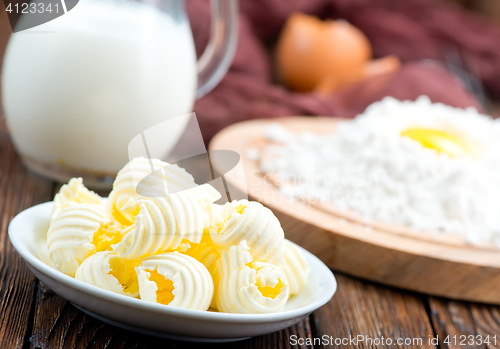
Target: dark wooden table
{"points": [[34, 317]]}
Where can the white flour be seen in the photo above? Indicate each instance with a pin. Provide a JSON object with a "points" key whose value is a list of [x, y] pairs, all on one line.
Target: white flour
{"points": [[368, 167]]}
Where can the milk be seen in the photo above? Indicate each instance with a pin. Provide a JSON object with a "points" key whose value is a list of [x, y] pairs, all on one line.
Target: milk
{"points": [[77, 89]]}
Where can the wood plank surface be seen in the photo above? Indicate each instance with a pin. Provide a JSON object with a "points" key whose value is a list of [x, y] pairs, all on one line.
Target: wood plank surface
{"points": [[465, 325], [487, 321], [452, 318], [366, 309], [58, 324], [18, 191]]}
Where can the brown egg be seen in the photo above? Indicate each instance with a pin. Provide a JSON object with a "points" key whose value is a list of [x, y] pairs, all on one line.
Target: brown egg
{"points": [[324, 55]]}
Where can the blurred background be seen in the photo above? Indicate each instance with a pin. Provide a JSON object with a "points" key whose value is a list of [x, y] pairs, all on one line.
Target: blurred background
{"points": [[446, 49]]}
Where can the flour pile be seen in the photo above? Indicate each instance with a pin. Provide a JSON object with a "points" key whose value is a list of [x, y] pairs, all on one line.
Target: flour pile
{"points": [[367, 166]]}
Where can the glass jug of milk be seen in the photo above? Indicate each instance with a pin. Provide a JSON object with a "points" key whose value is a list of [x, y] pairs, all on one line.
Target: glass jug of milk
{"points": [[77, 89]]}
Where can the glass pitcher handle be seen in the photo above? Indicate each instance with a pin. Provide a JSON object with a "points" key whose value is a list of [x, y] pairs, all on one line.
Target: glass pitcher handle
{"points": [[218, 55]]}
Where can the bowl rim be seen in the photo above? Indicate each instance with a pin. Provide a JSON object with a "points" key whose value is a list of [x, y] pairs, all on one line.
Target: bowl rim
{"points": [[328, 279]]}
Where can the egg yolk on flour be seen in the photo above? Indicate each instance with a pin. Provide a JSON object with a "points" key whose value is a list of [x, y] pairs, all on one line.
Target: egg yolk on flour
{"points": [[441, 141]]}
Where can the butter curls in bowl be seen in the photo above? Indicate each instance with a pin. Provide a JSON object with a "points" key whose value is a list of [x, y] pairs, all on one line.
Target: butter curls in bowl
{"points": [[179, 249]]}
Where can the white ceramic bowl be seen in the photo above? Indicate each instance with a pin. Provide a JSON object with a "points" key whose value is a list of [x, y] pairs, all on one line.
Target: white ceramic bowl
{"points": [[27, 232]]}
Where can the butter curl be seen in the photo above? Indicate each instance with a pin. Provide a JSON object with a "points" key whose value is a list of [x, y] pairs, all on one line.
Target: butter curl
{"points": [[207, 255], [192, 285], [295, 267], [74, 192], [163, 222], [109, 272], [249, 221], [249, 287], [152, 173], [69, 239]]}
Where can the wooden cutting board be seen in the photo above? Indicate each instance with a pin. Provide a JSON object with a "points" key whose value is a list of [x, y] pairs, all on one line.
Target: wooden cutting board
{"points": [[442, 265]]}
